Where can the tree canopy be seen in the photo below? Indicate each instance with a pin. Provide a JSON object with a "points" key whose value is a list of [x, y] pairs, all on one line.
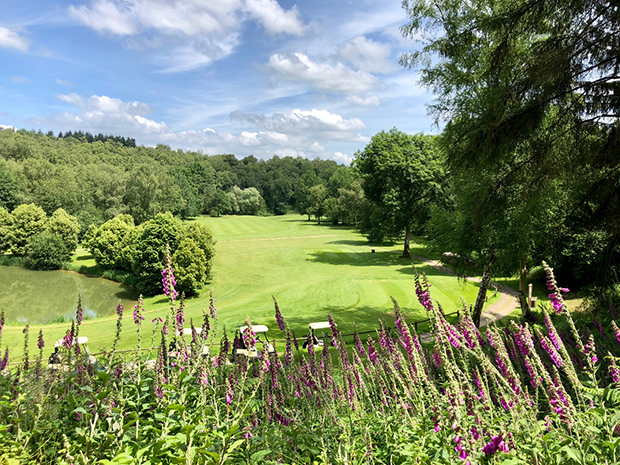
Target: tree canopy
{"points": [[529, 93], [401, 175]]}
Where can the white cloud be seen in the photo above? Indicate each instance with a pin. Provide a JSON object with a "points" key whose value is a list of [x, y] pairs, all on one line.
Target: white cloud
{"points": [[331, 78], [273, 18], [367, 55], [199, 53], [100, 113], [289, 153], [194, 32], [20, 80], [105, 16], [10, 39], [294, 134], [299, 121], [62, 82], [342, 158], [364, 101], [249, 139], [104, 104]]}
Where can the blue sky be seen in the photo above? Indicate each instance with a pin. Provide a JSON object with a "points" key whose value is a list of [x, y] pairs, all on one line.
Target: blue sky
{"points": [[311, 78]]}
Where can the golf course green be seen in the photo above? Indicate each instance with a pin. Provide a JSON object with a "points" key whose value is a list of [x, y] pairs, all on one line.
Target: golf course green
{"points": [[312, 270]]}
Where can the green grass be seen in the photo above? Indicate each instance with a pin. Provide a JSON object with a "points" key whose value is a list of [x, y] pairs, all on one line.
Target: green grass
{"points": [[311, 269]]}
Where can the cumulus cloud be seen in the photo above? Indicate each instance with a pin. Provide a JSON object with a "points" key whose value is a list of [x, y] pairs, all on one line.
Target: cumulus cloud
{"points": [[294, 134], [274, 18], [10, 39], [211, 28], [100, 113], [250, 139], [299, 121], [364, 101], [367, 55], [325, 76], [20, 80]]}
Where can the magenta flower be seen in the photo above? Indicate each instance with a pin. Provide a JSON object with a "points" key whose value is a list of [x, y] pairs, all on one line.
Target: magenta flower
{"points": [[137, 314], [496, 443], [279, 317], [168, 277], [5, 360], [249, 336], [212, 309], [229, 392]]}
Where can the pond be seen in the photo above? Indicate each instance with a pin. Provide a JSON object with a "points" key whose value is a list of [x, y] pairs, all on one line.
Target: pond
{"points": [[48, 296]]}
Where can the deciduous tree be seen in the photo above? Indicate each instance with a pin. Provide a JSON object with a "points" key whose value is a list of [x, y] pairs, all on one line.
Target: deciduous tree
{"points": [[401, 176]]}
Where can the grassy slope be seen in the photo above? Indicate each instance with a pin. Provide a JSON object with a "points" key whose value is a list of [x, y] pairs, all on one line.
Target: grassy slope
{"points": [[311, 269]]}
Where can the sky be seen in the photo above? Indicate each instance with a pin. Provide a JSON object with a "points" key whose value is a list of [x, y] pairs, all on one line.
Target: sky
{"points": [[309, 78]]}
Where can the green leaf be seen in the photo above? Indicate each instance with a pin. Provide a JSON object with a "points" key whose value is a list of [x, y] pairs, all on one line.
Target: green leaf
{"points": [[257, 457], [235, 444], [573, 453]]}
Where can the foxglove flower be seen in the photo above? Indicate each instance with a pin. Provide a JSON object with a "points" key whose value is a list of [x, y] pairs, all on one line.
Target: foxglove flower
{"points": [[557, 302], [279, 317], [168, 280]]}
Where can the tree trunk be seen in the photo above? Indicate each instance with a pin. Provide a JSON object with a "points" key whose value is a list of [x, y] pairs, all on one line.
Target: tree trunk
{"points": [[319, 218], [524, 302], [309, 217], [482, 293], [406, 249]]}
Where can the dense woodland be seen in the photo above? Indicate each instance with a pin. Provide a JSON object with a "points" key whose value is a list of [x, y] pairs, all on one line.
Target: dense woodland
{"points": [[99, 179]]}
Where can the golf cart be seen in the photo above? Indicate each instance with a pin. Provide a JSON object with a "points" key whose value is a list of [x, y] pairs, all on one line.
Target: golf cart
{"points": [[205, 352], [57, 359], [253, 352], [316, 342]]}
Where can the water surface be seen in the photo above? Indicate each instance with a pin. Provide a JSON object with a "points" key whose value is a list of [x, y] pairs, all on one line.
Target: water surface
{"points": [[44, 296]]}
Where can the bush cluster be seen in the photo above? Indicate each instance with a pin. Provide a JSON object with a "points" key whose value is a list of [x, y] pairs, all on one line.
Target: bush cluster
{"points": [[46, 243], [120, 248]]}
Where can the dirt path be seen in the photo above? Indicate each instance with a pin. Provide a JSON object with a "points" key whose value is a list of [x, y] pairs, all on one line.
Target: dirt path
{"points": [[503, 307]]}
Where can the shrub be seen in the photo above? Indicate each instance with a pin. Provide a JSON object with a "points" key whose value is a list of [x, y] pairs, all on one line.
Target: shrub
{"points": [[46, 251], [66, 227], [27, 220]]}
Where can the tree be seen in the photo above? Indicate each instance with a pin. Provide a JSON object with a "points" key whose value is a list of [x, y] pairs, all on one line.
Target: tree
{"points": [[245, 201], [149, 250], [317, 196], [203, 238], [6, 223], [401, 176], [66, 227], [150, 190], [529, 92], [8, 187], [190, 267], [47, 251], [217, 203], [27, 220], [110, 244]]}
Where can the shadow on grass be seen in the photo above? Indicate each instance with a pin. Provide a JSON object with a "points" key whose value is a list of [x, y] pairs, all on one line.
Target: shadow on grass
{"points": [[368, 258]]}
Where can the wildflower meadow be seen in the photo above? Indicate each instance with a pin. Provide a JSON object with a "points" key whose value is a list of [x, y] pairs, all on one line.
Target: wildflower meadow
{"points": [[536, 393]]}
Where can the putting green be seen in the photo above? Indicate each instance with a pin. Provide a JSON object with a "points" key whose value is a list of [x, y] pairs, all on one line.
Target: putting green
{"points": [[312, 270]]}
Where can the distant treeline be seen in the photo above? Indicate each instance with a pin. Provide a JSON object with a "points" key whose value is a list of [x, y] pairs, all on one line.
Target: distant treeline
{"points": [[90, 138], [97, 177]]}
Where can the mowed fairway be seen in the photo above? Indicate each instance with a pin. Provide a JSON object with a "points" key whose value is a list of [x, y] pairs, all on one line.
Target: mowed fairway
{"points": [[312, 270]]}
